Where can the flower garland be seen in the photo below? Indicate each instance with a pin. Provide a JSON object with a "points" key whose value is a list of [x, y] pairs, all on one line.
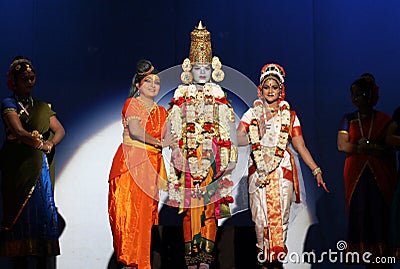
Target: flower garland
{"points": [[275, 156], [201, 120]]}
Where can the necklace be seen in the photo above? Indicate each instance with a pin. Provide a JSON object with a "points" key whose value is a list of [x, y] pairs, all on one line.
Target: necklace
{"points": [[268, 113], [157, 112], [152, 110], [146, 105], [24, 104], [364, 140], [27, 101], [23, 109], [272, 109]]}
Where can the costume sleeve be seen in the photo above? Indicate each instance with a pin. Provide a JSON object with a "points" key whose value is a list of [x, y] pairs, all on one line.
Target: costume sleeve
{"points": [[295, 123], [132, 109], [246, 118], [9, 104], [51, 111]]}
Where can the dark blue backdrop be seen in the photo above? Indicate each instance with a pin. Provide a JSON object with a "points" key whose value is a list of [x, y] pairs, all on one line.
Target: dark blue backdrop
{"points": [[85, 52]]}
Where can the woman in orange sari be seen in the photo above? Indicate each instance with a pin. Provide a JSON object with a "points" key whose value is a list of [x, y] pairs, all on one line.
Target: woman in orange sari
{"points": [[137, 169]]}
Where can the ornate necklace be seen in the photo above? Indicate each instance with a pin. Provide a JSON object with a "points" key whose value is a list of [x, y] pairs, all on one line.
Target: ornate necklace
{"points": [[273, 109], [268, 114], [364, 140], [152, 110], [28, 101]]}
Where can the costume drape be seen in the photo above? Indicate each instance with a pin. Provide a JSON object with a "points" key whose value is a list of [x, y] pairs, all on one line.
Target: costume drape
{"points": [[134, 183], [369, 181], [30, 224], [270, 203]]}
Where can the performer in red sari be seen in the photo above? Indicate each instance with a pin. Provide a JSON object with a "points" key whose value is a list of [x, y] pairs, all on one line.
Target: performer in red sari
{"points": [[369, 170], [395, 210], [138, 170]]}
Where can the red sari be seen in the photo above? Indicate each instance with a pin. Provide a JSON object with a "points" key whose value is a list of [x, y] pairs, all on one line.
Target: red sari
{"points": [[133, 186], [369, 182]]}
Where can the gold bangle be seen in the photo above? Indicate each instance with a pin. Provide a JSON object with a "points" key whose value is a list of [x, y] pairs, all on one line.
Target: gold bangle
{"points": [[317, 171], [40, 146], [36, 134], [49, 147]]}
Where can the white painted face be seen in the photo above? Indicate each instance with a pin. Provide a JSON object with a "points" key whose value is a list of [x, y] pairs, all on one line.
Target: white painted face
{"points": [[201, 73]]}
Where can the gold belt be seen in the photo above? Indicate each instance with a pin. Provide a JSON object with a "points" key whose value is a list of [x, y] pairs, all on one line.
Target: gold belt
{"points": [[135, 143]]}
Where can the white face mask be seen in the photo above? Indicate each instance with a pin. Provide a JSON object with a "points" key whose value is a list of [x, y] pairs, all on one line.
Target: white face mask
{"points": [[201, 73]]}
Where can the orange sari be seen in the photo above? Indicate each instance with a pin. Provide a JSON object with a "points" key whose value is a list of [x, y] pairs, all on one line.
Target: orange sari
{"points": [[133, 186]]}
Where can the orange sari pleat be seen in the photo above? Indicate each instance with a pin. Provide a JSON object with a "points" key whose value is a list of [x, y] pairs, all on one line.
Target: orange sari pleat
{"points": [[133, 191], [274, 231]]}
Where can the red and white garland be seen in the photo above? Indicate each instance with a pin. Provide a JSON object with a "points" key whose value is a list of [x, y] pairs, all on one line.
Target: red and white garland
{"points": [[199, 117], [258, 153]]}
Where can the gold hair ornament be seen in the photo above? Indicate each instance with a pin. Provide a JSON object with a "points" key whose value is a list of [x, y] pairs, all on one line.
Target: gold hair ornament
{"points": [[20, 61], [147, 72], [272, 70]]}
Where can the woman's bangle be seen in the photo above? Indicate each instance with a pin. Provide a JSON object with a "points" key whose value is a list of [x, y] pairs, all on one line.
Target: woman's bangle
{"points": [[316, 171], [40, 146], [49, 147]]}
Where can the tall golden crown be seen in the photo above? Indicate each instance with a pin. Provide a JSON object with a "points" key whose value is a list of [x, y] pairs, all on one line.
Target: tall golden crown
{"points": [[200, 47]]}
